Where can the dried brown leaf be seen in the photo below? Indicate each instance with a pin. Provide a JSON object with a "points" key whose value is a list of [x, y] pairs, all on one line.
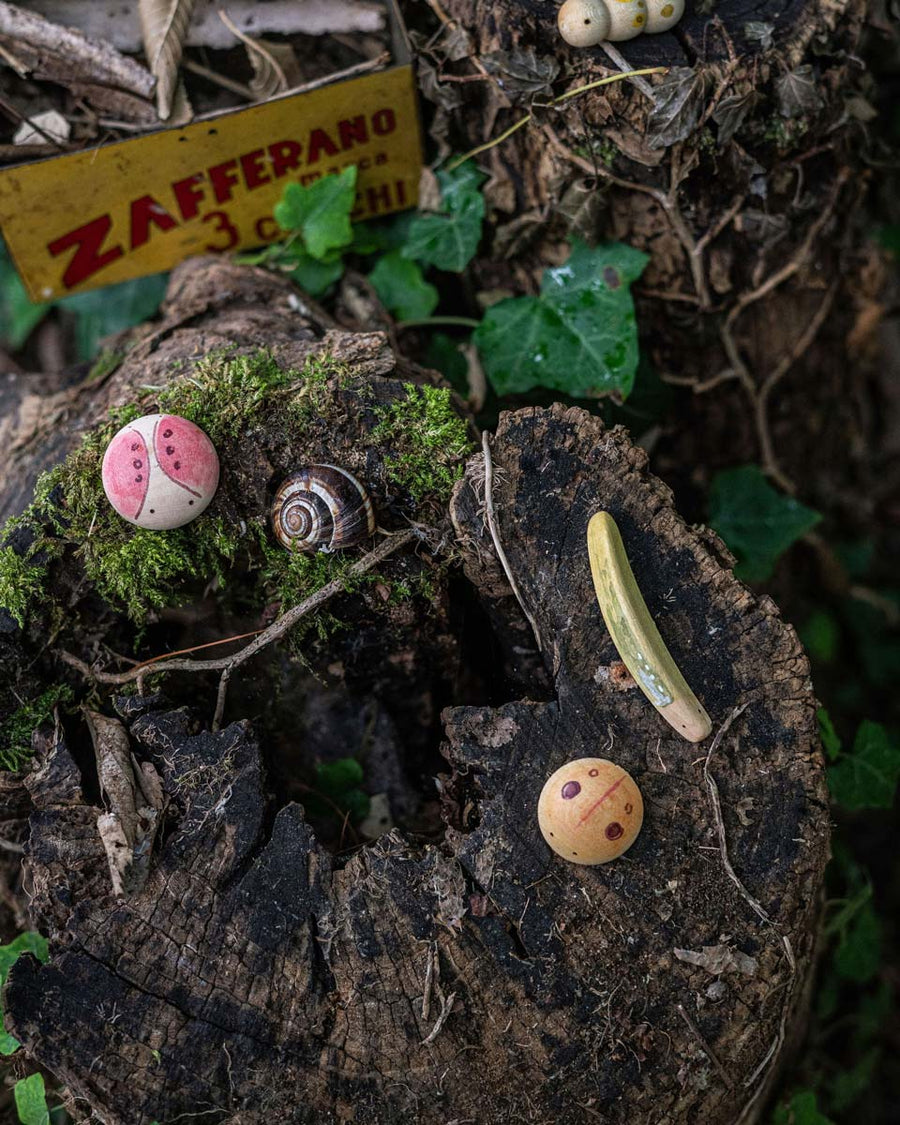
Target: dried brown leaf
{"points": [[677, 104], [275, 66], [521, 74], [136, 800], [164, 26], [731, 113], [717, 959], [797, 92]]}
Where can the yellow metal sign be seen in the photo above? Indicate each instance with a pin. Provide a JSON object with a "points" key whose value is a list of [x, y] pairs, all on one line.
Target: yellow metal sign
{"points": [[140, 206]]}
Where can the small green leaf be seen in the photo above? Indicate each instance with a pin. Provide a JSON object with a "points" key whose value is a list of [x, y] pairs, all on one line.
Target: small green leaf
{"points": [[757, 523], [402, 289], [800, 1110], [848, 1086], [18, 314], [579, 336], [858, 955], [866, 778], [821, 635], [31, 1100], [338, 776], [101, 312], [320, 212], [449, 238], [313, 275], [443, 355], [30, 942], [889, 237], [830, 738]]}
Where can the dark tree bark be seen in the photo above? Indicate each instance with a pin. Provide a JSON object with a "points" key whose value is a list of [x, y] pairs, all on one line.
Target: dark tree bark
{"points": [[255, 976]]}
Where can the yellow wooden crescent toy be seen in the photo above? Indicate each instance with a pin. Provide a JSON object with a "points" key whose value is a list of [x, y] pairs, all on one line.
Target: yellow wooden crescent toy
{"points": [[635, 635]]}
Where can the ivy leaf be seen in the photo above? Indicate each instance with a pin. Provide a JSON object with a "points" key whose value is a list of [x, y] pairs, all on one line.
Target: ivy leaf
{"points": [[25, 943], [315, 275], [449, 238], [858, 955], [521, 72], [102, 312], [338, 776], [579, 336], [320, 212], [402, 289], [759, 32], [731, 112], [797, 92], [848, 1086], [830, 739], [31, 1100], [800, 1110], [866, 778], [18, 315], [757, 523], [677, 102]]}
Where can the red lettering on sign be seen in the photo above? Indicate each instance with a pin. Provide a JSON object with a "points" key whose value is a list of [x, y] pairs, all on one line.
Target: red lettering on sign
{"points": [[145, 211], [284, 155], [223, 178], [188, 196], [87, 258], [353, 132], [253, 165], [400, 188], [378, 198], [225, 226], [320, 142], [266, 228], [384, 121]]}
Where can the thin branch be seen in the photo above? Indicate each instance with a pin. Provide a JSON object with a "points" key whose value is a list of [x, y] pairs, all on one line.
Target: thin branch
{"points": [[716, 803], [761, 411], [495, 536], [553, 103], [707, 1050], [268, 636], [624, 67], [797, 259], [219, 79]]}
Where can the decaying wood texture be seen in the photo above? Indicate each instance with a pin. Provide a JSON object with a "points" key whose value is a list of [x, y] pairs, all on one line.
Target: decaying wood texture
{"points": [[255, 976]]}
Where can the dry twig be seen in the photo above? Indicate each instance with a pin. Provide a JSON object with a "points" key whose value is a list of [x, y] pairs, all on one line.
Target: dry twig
{"points": [[268, 636], [495, 536], [707, 1050]]}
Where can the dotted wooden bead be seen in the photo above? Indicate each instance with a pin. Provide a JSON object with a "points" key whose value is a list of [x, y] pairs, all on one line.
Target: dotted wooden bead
{"points": [[160, 471], [590, 811]]}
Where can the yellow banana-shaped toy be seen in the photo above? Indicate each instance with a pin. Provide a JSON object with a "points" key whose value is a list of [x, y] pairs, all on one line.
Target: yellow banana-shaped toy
{"points": [[635, 635]]}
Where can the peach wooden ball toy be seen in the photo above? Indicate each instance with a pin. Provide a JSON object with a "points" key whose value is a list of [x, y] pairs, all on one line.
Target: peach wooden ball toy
{"points": [[590, 811]]}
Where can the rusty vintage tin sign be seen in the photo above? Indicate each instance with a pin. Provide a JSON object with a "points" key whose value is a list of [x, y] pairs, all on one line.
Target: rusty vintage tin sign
{"points": [[140, 206]]}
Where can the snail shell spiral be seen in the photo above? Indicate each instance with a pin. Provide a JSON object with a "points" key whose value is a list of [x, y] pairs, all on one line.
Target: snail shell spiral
{"points": [[322, 508]]}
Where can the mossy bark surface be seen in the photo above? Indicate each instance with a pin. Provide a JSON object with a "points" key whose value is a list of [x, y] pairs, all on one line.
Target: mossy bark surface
{"points": [[454, 968]]}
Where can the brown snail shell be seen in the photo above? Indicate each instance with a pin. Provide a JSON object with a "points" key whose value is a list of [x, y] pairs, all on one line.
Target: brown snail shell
{"points": [[322, 508]]}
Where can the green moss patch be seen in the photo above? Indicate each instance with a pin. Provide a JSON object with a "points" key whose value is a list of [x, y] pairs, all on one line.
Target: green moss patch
{"points": [[428, 440], [15, 732], [423, 441], [21, 583]]}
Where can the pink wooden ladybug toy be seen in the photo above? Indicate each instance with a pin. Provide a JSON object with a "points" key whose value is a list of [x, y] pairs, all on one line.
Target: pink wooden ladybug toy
{"points": [[160, 471]]}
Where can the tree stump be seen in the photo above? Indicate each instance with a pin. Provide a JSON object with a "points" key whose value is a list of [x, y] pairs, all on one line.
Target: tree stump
{"points": [[461, 972]]}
